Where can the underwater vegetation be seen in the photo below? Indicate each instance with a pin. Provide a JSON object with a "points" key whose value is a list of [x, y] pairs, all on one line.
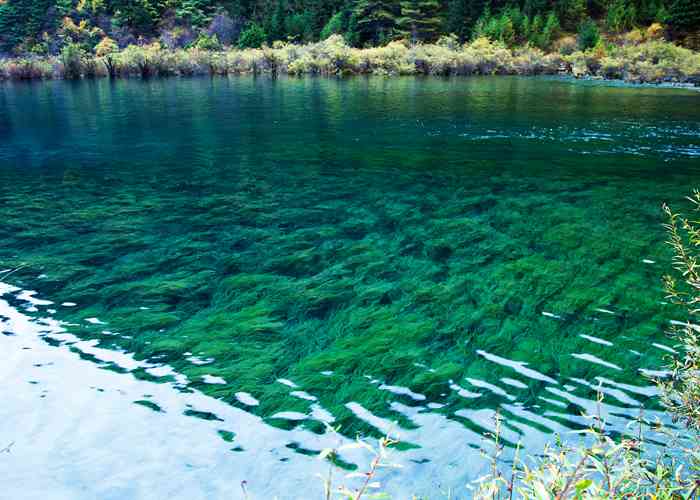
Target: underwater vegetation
{"points": [[316, 270]]}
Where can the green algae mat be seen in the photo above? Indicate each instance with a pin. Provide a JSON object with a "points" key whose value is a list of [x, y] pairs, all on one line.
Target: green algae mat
{"points": [[355, 251]]}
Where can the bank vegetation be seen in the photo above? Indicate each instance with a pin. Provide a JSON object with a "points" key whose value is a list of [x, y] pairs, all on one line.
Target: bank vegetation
{"points": [[639, 56]]}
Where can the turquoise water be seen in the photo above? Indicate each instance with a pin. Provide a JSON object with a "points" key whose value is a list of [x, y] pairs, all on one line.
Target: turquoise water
{"points": [[362, 251]]}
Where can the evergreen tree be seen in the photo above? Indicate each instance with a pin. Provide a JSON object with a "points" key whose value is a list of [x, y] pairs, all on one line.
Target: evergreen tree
{"points": [[571, 13], [22, 19], [462, 16], [276, 22], [685, 15], [376, 20], [420, 20]]}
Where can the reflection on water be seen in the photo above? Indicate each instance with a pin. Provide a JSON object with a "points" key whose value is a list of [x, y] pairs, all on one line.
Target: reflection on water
{"points": [[74, 429], [209, 272]]}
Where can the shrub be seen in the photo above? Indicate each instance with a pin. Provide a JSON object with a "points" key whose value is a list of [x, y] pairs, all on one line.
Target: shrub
{"points": [[655, 32], [106, 51], [633, 37], [72, 56], [588, 35], [566, 45], [449, 41], [253, 36], [145, 61], [31, 68], [681, 391], [611, 68], [207, 42]]}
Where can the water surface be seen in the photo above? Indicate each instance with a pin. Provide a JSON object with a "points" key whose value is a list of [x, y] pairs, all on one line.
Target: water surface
{"points": [[407, 254]]}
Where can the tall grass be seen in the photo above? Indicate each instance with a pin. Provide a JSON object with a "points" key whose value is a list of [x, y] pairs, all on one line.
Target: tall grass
{"points": [[647, 61]]}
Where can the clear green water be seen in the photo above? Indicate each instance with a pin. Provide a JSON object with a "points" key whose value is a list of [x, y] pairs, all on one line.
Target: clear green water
{"points": [[392, 247]]}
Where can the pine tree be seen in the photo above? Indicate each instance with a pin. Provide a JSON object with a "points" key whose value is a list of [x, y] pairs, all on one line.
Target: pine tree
{"points": [[275, 23], [376, 20], [685, 15], [21, 20], [420, 20]]}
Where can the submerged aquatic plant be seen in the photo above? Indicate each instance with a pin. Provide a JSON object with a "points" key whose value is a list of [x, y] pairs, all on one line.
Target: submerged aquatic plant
{"points": [[649, 460], [632, 465]]}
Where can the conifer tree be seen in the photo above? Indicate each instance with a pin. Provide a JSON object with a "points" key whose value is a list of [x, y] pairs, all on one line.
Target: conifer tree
{"points": [[420, 20], [685, 15], [376, 20]]}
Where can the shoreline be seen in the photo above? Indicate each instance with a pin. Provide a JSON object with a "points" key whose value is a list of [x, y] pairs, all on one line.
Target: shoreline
{"points": [[655, 62]]}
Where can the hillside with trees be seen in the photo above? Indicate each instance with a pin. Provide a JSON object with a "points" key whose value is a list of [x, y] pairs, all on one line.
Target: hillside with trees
{"points": [[44, 27]]}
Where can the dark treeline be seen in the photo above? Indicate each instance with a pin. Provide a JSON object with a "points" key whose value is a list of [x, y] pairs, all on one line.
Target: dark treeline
{"points": [[45, 26]]}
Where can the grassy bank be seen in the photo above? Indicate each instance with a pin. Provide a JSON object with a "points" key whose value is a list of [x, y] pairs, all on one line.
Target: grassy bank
{"points": [[637, 57]]}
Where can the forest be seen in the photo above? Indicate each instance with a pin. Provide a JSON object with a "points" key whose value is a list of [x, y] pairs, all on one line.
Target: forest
{"points": [[44, 27]]}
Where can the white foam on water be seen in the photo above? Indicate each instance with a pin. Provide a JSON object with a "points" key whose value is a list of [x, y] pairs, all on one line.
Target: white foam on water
{"points": [[196, 360], [462, 392], [287, 382], [405, 391], [212, 379], [618, 394], [303, 395], [518, 366], [596, 360], [28, 296], [664, 347], [514, 383], [290, 415], [246, 399], [605, 311], [490, 387], [648, 391], [550, 315], [597, 340]]}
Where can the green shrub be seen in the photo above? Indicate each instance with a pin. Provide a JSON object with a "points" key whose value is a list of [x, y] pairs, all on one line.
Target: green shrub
{"points": [[681, 391], [72, 56], [588, 35], [207, 42], [253, 36]]}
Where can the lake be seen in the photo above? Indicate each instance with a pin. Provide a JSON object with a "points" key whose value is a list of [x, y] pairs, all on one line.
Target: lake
{"points": [[199, 276]]}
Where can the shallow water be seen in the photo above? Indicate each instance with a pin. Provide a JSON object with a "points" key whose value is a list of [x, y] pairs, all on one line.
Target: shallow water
{"points": [[279, 254]]}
